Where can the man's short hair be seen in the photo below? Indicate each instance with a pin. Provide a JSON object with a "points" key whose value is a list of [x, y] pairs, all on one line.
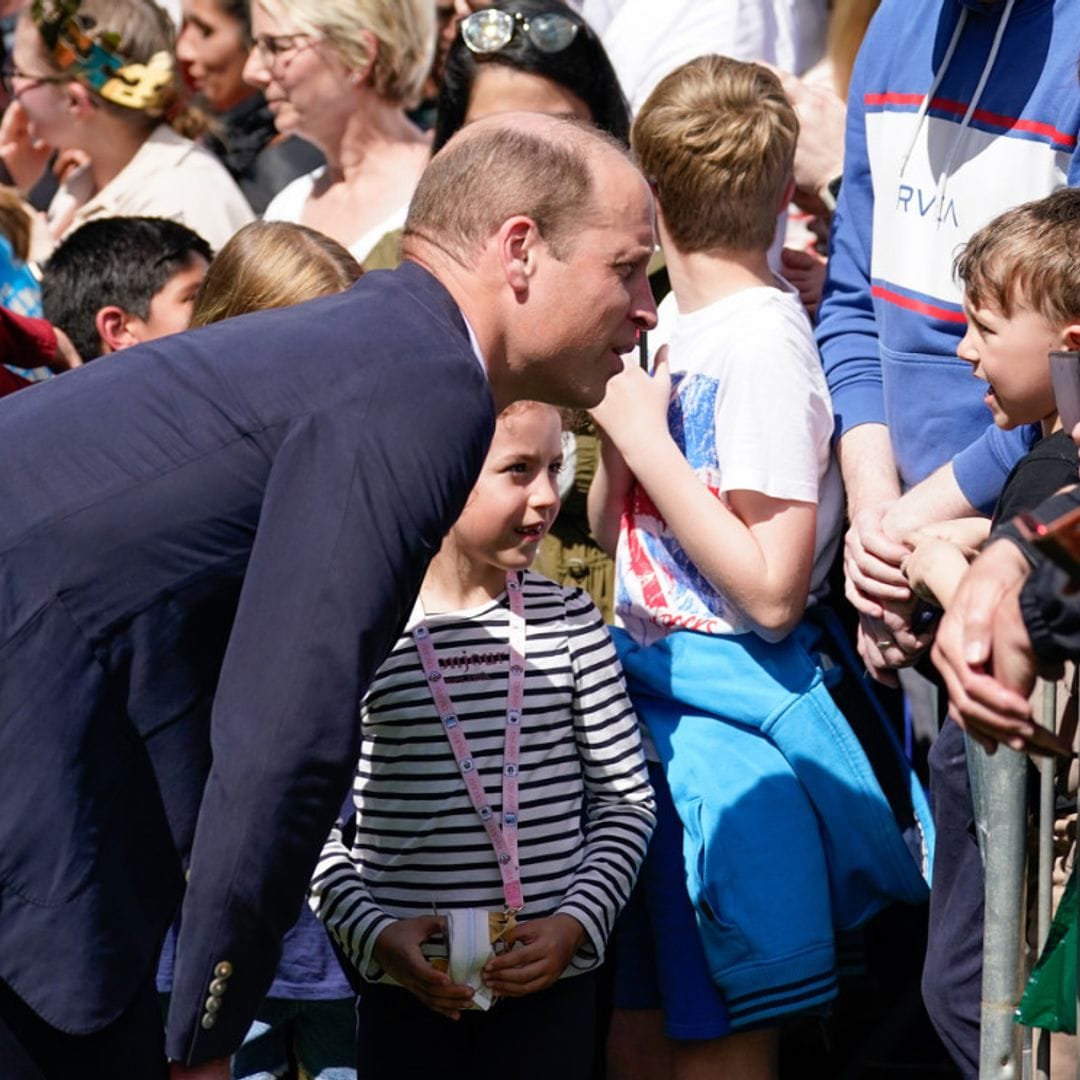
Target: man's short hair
{"points": [[1027, 255], [716, 138], [488, 174], [121, 261]]}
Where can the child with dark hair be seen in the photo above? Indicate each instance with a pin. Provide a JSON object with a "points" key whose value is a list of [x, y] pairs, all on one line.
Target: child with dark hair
{"points": [[118, 281]]}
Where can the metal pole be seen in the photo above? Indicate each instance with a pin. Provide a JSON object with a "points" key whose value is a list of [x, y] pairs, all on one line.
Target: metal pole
{"points": [[998, 783], [1046, 861]]}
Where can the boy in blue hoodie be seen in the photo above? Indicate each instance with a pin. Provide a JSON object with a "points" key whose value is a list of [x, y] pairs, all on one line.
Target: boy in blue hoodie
{"points": [[958, 110]]}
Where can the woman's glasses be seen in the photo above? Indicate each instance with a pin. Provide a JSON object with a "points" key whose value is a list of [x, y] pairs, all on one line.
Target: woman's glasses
{"points": [[490, 30], [9, 73], [271, 47]]}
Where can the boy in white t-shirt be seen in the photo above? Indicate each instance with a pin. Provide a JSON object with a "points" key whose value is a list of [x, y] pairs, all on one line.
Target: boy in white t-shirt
{"points": [[718, 490]]}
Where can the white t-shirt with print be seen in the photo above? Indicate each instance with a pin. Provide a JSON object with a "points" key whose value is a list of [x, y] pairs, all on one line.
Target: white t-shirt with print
{"points": [[751, 412]]}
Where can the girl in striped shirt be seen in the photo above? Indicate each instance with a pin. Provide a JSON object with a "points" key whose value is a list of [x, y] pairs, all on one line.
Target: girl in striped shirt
{"points": [[501, 770]]}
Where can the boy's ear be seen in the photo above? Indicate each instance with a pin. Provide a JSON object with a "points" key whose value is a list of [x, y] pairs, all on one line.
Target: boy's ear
{"points": [[1071, 337], [789, 194], [115, 328]]}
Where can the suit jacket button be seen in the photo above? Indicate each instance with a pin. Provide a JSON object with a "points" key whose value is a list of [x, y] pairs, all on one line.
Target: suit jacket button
{"points": [[208, 1021], [213, 1004], [218, 987], [223, 970]]}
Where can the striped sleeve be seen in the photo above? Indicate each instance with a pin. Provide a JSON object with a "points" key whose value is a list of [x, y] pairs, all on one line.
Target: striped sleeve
{"points": [[340, 898]]}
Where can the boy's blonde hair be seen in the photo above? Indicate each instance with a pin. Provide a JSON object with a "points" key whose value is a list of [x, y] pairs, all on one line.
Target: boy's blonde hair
{"points": [[1028, 255], [272, 264], [404, 32], [716, 138]]}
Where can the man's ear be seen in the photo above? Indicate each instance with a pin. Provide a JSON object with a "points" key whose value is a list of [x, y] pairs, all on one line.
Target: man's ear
{"points": [[1072, 337], [115, 328], [519, 244]]}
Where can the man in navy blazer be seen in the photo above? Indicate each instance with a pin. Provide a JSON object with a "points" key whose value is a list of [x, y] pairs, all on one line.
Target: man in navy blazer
{"points": [[208, 544]]}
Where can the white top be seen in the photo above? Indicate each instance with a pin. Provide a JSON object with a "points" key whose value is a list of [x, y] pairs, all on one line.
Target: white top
{"points": [[169, 177], [646, 40], [586, 808], [288, 205], [751, 412]]}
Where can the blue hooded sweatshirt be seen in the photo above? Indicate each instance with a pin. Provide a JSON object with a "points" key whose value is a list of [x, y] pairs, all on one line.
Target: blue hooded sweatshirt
{"points": [[958, 110]]}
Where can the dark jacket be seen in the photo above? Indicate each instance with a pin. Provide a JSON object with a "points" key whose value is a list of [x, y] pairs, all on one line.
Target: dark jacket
{"points": [[207, 545]]}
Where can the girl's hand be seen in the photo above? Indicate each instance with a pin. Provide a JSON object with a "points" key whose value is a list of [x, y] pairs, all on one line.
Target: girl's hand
{"points": [[397, 952], [24, 156], [633, 413], [547, 946]]}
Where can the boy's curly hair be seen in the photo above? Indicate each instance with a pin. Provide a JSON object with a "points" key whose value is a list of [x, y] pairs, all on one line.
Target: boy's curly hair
{"points": [[1029, 254]]}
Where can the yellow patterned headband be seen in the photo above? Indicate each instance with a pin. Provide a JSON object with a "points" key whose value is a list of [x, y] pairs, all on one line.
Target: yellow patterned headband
{"points": [[94, 58]]}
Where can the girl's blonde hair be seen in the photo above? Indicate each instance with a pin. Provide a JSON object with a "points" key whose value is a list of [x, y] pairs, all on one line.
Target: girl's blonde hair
{"points": [[270, 264], [404, 32], [15, 222]]}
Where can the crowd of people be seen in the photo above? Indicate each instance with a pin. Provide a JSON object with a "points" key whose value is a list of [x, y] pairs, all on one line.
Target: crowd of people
{"points": [[525, 598]]}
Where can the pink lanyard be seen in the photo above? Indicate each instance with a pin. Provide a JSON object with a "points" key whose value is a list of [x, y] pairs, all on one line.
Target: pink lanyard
{"points": [[503, 839]]}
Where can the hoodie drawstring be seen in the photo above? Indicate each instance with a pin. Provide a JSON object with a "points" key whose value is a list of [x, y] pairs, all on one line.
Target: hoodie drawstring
{"points": [[961, 135]]}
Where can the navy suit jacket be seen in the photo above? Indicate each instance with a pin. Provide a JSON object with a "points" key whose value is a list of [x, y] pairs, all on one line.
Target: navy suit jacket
{"points": [[208, 544]]}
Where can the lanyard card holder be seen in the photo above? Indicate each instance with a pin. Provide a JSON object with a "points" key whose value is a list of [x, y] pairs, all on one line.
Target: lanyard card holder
{"points": [[473, 937]]}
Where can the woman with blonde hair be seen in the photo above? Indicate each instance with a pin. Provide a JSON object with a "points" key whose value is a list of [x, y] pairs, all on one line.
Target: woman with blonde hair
{"points": [[211, 51], [97, 76], [341, 73]]}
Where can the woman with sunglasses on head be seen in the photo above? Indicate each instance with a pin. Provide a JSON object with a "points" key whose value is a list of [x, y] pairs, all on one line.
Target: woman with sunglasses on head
{"points": [[539, 56], [97, 76], [211, 49], [340, 74], [529, 55]]}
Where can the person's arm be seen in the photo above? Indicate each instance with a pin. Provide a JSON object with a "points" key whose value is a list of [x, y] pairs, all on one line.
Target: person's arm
{"points": [[620, 810], [937, 498], [25, 158], [988, 710], [343, 903], [941, 554], [375, 942], [607, 496], [759, 552], [819, 152]]}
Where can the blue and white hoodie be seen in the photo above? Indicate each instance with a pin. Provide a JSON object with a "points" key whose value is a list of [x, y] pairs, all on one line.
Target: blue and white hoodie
{"points": [[957, 110]]}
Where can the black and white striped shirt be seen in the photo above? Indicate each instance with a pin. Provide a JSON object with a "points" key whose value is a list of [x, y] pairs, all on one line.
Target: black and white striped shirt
{"points": [[586, 810]]}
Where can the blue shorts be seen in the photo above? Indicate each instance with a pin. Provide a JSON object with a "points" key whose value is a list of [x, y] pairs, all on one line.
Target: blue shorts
{"points": [[659, 959], [321, 1033]]}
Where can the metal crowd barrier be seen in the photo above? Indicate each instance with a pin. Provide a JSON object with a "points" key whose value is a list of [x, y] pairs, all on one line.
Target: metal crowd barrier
{"points": [[999, 792]]}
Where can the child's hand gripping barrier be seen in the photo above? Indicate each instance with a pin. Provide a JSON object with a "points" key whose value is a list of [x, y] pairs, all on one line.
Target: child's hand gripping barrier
{"points": [[473, 937]]}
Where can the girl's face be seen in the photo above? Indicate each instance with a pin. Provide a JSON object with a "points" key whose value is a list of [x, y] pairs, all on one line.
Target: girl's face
{"points": [[40, 91], [516, 496], [304, 79], [500, 89], [211, 51]]}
